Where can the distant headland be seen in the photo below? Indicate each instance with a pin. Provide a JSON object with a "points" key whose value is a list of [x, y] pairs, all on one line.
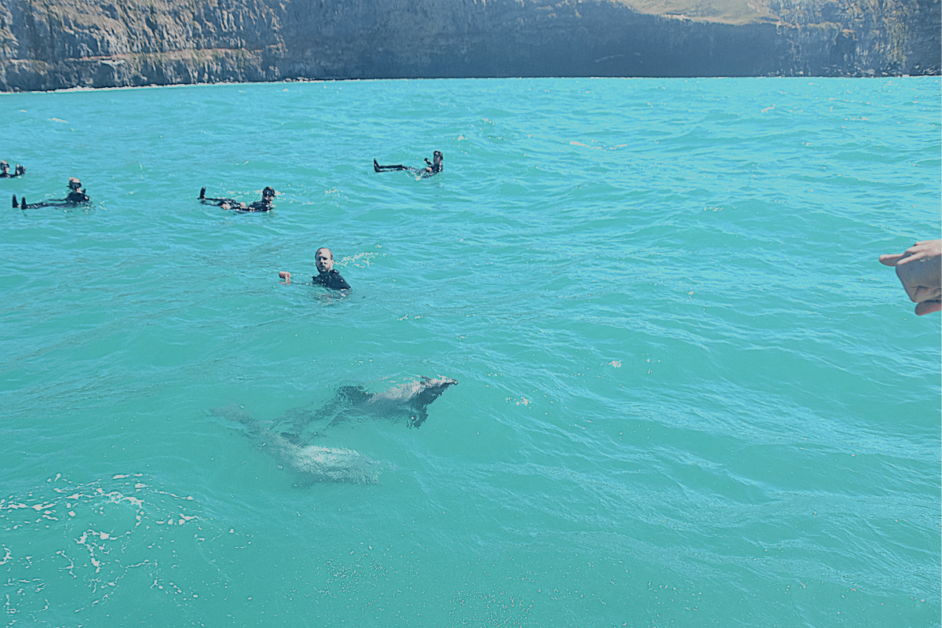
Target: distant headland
{"points": [[61, 44]]}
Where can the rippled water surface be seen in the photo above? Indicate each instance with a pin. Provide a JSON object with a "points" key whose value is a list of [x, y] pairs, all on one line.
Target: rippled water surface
{"points": [[688, 395]]}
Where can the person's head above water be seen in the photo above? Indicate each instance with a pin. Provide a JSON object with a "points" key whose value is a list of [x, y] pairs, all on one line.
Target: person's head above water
{"points": [[324, 260], [268, 194], [74, 183], [4, 167], [437, 157]]}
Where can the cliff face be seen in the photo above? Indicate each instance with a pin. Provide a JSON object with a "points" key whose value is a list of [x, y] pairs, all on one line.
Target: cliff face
{"points": [[55, 44]]}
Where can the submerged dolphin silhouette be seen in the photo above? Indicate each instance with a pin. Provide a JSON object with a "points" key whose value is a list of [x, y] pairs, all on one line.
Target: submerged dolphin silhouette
{"points": [[310, 462], [289, 439], [323, 464]]}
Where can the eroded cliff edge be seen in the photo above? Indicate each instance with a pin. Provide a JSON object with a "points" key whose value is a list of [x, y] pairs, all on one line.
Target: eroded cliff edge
{"points": [[57, 44]]}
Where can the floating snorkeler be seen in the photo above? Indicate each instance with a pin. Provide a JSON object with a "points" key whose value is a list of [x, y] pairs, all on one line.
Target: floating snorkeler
{"points": [[264, 205], [434, 167], [5, 171], [76, 197]]}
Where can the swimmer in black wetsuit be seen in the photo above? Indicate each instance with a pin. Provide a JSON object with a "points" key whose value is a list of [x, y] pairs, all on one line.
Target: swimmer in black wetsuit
{"points": [[264, 205], [5, 171], [434, 167], [326, 275], [76, 197]]}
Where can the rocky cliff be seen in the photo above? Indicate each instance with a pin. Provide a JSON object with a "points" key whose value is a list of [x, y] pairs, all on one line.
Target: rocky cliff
{"points": [[56, 44]]}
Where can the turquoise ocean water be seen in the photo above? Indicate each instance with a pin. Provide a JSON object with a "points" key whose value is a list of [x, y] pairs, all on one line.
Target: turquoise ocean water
{"points": [[689, 395]]}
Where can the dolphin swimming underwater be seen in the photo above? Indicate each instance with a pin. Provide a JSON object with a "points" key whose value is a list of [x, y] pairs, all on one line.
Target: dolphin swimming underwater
{"points": [[407, 402], [310, 462], [289, 439], [324, 464]]}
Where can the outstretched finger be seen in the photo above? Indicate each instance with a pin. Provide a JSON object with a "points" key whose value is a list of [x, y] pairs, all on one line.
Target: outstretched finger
{"points": [[891, 259]]}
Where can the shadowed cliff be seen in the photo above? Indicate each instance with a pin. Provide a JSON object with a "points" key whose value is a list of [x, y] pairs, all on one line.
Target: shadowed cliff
{"points": [[56, 44]]}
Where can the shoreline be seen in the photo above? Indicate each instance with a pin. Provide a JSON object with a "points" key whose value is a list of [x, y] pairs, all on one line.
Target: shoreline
{"points": [[507, 78]]}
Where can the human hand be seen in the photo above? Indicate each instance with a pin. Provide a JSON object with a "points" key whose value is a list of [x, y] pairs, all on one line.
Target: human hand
{"points": [[919, 269], [920, 250]]}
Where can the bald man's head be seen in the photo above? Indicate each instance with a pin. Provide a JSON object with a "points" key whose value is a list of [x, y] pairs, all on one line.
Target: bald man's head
{"points": [[324, 259]]}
